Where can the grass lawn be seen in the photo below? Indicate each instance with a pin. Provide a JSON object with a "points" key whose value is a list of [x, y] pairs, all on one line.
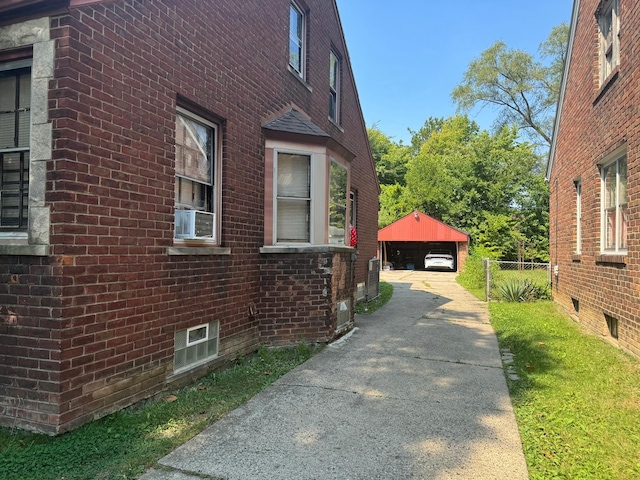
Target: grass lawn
{"points": [[123, 445], [540, 276], [577, 402]]}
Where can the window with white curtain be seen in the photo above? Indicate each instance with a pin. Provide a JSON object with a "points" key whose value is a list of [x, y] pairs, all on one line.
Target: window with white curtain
{"points": [[615, 206], [195, 140], [334, 88], [578, 185], [608, 15], [293, 206]]}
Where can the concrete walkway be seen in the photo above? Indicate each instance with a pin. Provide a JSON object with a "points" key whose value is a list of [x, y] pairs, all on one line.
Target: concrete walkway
{"points": [[416, 392]]}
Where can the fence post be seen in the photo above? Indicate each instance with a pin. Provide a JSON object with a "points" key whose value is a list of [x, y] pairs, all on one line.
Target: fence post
{"points": [[487, 276]]}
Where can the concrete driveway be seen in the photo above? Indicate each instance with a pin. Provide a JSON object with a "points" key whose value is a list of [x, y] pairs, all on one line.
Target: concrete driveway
{"points": [[417, 391]]}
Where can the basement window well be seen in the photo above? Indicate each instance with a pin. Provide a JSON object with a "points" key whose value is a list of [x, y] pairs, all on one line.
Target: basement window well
{"points": [[612, 325]]}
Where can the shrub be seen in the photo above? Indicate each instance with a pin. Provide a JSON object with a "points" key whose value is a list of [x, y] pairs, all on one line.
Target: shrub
{"points": [[473, 276], [542, 291]]}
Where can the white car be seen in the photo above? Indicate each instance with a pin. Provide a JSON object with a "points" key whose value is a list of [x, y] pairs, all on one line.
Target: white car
{"points": [[440, 259]]}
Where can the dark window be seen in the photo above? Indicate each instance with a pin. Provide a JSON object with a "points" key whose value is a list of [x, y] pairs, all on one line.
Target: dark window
{"points": [[15, 134], [612, 325]]}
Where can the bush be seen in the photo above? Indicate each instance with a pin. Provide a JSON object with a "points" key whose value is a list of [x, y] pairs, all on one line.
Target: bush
{"points": [[473, 276], [542, 292]]}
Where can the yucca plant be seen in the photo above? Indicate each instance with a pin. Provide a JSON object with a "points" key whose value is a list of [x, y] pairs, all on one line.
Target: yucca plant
{"points": [[518, 291]]}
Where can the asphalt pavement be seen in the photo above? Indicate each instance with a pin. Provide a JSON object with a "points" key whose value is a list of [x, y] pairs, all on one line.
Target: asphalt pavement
{"points": [[416, 391]]}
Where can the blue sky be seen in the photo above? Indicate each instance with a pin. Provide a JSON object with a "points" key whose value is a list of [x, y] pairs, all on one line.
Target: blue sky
{"points": [[408, 55]]}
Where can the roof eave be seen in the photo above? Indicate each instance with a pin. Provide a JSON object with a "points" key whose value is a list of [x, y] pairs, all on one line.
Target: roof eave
{"points": [[563, 87], [14, 11]]}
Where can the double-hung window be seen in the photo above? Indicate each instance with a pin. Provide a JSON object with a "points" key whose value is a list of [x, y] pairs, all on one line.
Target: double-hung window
{"points": [[309, 200], [334, 88], [614, 206], [608, 17], [15, 133], [195, 193], [293, 205], [578, 185], [338, 188], [296, 39]]}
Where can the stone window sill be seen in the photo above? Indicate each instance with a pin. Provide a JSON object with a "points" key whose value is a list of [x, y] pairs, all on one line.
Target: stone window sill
{"points": [[620, 260], [25, 250], [198, 251], [274, 249]]}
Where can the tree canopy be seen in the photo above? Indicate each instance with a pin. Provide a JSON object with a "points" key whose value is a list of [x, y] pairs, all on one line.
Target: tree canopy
{"points": [[524, 89], [489, 184]]}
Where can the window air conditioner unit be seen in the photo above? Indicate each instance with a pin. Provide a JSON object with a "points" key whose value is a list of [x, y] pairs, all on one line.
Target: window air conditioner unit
{"points": [[192, 224]]}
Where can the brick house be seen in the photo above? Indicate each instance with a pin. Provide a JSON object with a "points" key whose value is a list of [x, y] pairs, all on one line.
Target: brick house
{"points": [[594, 173], [178, 180]]}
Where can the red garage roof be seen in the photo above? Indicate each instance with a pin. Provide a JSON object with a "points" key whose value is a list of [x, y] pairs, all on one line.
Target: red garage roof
{"points": [[418, 227]]}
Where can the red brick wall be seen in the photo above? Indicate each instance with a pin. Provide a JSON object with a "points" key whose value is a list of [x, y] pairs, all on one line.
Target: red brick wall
{"points": [[95, 321], [29, 341], [300, 293], [595, 121]]}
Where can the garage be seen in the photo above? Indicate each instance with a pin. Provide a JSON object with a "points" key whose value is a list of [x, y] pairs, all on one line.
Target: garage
{"points": [[404, 244]]}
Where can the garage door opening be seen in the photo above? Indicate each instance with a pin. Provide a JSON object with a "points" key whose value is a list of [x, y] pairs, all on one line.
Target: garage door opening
{"points": [[403, 244], [410, 255]]}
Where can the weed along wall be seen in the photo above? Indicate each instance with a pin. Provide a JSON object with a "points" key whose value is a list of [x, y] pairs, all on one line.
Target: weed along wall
{"points": [[163, 219]]}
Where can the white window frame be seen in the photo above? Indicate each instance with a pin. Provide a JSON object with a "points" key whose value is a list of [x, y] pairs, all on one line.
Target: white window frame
{"points": [[578, 184], [346, 233], [608, 19], [212, 334], [297, 34], [309, 200], [334, 87], [620, 207], [213, 203], [200, 340], [352, 208]]}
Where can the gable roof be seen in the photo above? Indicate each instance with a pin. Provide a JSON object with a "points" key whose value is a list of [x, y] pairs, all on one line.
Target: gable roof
{"points": [[418, 227], [563, 87]]}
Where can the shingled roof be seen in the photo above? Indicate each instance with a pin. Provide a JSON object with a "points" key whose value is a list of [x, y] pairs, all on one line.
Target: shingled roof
{"points": [[295, 122]]}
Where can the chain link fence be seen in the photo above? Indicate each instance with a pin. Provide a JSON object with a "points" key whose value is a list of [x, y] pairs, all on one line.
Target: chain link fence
{"points": [[517, 281]]}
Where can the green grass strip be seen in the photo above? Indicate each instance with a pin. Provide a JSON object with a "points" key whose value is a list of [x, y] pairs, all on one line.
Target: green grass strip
{"points": [[123, 445], [367, 308], [577, 401]]}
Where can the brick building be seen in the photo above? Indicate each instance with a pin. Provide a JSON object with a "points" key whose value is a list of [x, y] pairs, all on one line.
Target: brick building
{"points": [[178, 181], [594, 173]]}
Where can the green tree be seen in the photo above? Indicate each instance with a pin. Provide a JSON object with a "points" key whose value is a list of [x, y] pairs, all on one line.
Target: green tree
{"points": [[489, 185], [390, 158], [394, 204], [418, 138], [524, 89]]}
